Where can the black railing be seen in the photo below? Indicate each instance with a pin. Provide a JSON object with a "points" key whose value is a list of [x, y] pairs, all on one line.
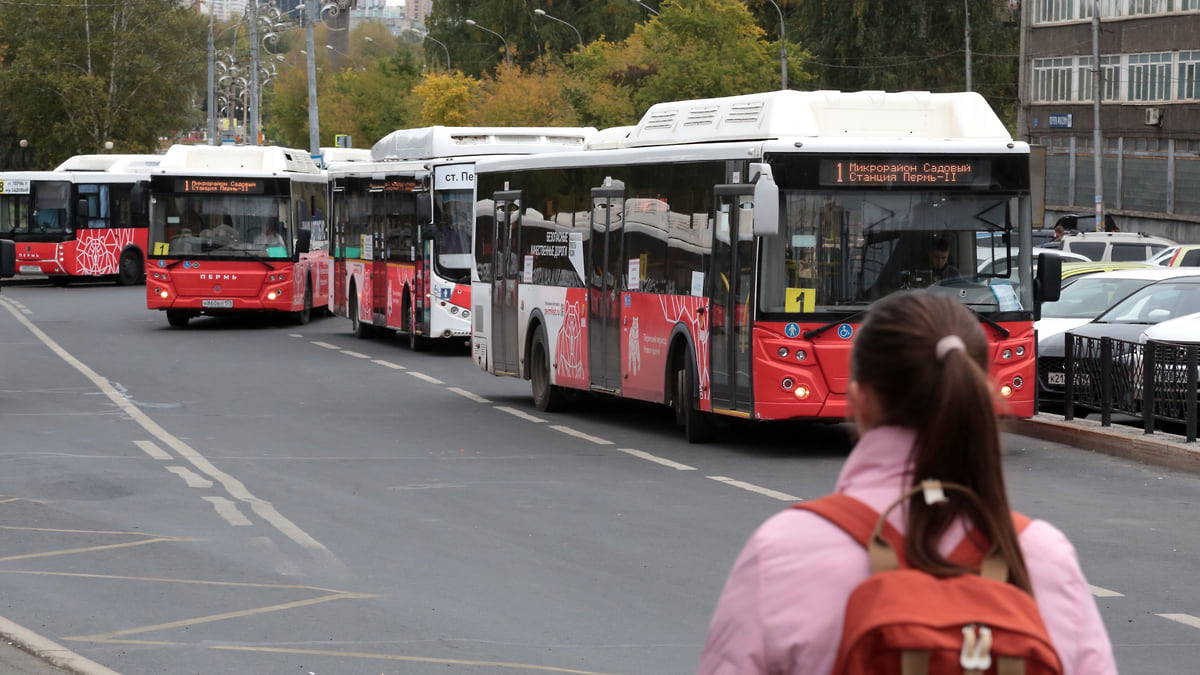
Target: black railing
{"points": [[1156, 381]]}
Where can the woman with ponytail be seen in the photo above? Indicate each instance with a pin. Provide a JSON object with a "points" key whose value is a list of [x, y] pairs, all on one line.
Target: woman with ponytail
{"points": [[923, 405]]}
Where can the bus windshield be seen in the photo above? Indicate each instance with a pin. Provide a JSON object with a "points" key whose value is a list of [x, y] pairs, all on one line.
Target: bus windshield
{"points": [[842, 249], [41, 213], [226, 226], [453, 220]]}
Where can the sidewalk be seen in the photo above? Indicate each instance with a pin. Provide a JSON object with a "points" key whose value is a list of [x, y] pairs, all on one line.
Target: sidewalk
{"points": [[23, 652], [1163, 449]]}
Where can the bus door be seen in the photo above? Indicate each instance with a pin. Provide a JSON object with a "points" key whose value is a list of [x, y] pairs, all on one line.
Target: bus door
{"points": [[606, 269], [731, 289], [377, 261], [506, 269], [337, 245]]}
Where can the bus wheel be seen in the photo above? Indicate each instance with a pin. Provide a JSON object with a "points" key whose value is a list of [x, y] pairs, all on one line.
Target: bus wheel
{"points": [[546, 397], [302, 317], [361, 330], [416, 342], [129, 269], [697, 425], [177, 319]]}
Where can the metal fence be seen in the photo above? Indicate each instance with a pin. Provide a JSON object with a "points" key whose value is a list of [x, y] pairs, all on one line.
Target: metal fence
{"points": [[1156, 381]]}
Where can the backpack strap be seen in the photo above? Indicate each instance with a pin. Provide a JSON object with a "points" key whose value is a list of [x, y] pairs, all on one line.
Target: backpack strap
{"points": [[856, 519]]}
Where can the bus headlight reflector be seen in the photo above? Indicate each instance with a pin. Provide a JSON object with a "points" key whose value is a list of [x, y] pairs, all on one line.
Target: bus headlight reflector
{"points": [[1018, 382], [454, 309], [1020, 351], [787, 384], [1006, 354], [466, 314], [783, 352], [801, 355]]}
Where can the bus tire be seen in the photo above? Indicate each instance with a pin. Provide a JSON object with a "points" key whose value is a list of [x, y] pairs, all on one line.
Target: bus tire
{"points": [[302, 317], [130, 270], [177, 318], [697, 425], [546, 397], [416, 342], [361, 330]]}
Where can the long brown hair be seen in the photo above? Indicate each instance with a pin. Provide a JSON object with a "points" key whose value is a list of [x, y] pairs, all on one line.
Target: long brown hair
{"points": [[949, 402]]}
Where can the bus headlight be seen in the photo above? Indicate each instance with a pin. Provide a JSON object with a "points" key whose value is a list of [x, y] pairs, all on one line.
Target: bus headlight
{"points": [[162, 293], [454, 310], [271, 295]]}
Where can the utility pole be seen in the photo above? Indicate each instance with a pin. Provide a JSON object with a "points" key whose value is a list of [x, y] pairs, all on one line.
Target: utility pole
{"points": [[967, 38], [1097, 137], [311, 11], [212, 103]]}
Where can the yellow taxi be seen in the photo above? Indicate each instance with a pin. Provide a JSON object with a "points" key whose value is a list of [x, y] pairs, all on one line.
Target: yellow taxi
{"points": [[1074, 270]]}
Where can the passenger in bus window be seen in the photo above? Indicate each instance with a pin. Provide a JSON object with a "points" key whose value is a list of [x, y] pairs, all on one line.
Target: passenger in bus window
{"points": [[225, 232]]}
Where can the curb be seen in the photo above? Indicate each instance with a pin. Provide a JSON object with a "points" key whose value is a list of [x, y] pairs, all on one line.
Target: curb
{"points": [[1117, 439], [49, 651]]}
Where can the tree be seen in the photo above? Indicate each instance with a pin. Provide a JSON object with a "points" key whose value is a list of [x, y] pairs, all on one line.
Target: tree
{"points": [[129, 73], [516, 97], [447, 98]]}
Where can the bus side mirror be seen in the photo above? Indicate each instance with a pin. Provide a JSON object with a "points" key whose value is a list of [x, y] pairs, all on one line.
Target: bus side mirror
{"points": [[8, 258], [1047, 285], [81, 214], [424, 208], [304, 241], [766, 200]]}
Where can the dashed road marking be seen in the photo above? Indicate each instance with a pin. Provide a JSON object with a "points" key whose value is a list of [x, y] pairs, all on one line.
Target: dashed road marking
{"points": [[657, 460], [388, 364], [190, 477], [326, 345], [466, 394], [357, 355], [519, 413], [1185, 619], [767, 492], [579, 434], [1104, 592], [428, 378], [153, 450], [229, 511]]}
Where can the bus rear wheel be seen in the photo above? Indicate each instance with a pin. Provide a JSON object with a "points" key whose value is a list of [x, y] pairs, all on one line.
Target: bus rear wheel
{"points": [[361, 330], [546, 397], [177, 318], [129, 269], [697, 424], [416, 342]]}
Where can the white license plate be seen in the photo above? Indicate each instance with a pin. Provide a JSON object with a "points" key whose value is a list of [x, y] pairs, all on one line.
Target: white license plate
{"points": [[217, 304], [31, 269], [1060, 379]]}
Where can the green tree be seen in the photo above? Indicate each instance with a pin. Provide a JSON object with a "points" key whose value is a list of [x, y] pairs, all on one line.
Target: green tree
{"points": [[127, 73], [516, 97], [447, 98]]}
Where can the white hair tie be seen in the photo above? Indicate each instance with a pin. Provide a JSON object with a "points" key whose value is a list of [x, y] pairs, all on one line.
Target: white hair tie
{"points": [[947, 345]]}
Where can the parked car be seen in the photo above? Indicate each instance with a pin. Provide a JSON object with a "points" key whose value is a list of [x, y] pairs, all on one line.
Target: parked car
{"points": [[1005, 265], [1178, 256], [1073, 271], [1175, 294], [1184, 330], [1119, 246]]}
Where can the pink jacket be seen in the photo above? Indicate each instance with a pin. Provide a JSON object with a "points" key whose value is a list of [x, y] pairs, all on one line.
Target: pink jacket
{"points": [[782, 607]]}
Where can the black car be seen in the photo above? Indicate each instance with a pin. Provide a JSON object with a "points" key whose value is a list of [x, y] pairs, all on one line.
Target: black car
{"points": [[1126, 320]]}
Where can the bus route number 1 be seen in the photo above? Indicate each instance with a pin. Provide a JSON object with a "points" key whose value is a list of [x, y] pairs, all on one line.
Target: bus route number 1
{"points": [[800, 300]]}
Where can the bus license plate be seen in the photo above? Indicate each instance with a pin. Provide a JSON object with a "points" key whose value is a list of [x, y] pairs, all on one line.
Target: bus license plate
{"points": [[217, 304], [31, 269]]}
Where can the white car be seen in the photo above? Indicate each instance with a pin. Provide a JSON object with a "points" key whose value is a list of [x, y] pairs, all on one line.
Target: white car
{"points": [[1091, 295], [1183, 330], [1126, 246]]}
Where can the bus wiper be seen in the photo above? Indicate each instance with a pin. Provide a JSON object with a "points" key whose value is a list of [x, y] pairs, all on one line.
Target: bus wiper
{"points": [[256, 258], [1004, 332], [810, 334]]}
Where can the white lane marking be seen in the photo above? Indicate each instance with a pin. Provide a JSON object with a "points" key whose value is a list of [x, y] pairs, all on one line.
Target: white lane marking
{"points": [[190, 477], [519, 413], [773, 494], [153, 450], [326, 345], [357, 355], [579, 434], [428, 378], [1185, 619], [229, 511], [233, 486], [295, 335], [1104, 592], [389, 364], [657, 460], [466, 394]]}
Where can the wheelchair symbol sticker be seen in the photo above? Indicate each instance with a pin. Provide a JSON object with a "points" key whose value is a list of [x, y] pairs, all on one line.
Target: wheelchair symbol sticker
{"points": [[792, 330], [845, 331]]}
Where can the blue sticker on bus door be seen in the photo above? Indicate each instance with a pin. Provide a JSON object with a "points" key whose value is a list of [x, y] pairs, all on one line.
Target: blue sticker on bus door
{"points": [[845, 331], [792, 330], [628, 299]]}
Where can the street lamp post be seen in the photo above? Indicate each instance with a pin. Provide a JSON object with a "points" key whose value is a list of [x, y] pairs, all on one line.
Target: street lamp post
{"points": [[967, 39], [542, 12], [507, 60], [314, 122], [783, 59], [1097, 136], [427, 36], [646, 7]]}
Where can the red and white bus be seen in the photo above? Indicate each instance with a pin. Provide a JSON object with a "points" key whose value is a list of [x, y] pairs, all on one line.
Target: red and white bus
{"points": [[718, 256], [237, 229], [402, 226], [84, 220]]}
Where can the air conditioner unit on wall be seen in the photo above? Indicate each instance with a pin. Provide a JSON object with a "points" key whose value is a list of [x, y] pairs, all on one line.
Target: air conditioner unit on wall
{"points": [[1154, 117]]}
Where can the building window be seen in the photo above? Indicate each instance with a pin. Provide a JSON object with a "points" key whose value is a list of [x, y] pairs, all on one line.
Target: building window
{"points": [[1189, 5], [1150, 6], [1189, 75], [1110, 70], [1052, 79], [1050, 11], [1150, 77]]}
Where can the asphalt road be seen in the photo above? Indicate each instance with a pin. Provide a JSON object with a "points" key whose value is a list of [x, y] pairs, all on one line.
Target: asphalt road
{"points": [[249, 496]]}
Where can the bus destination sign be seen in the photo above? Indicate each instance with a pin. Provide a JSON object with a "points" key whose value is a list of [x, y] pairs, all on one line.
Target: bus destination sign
{"points": [[224, 186], [901, 171]]}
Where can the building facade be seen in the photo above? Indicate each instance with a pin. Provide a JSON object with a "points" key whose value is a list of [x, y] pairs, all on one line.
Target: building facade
{"points": [[1149, 113]]}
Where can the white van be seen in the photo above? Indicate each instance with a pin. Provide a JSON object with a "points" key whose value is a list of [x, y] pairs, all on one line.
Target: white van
{"points": [[1112, 246]]}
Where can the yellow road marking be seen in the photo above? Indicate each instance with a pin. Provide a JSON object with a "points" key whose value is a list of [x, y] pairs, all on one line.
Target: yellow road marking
{"points": [[410, 659], [92, 549]]}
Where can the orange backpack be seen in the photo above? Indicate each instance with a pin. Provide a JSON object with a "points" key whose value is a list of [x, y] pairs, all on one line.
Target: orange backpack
{"points": [[906, 621]]}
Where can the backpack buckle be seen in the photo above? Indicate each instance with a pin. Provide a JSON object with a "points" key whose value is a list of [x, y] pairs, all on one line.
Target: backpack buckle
{"points": [[976, 653]]}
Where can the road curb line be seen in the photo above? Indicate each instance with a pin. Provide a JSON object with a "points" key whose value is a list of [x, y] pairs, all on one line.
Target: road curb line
{"points": [[1117, 440], [50, 651]]}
